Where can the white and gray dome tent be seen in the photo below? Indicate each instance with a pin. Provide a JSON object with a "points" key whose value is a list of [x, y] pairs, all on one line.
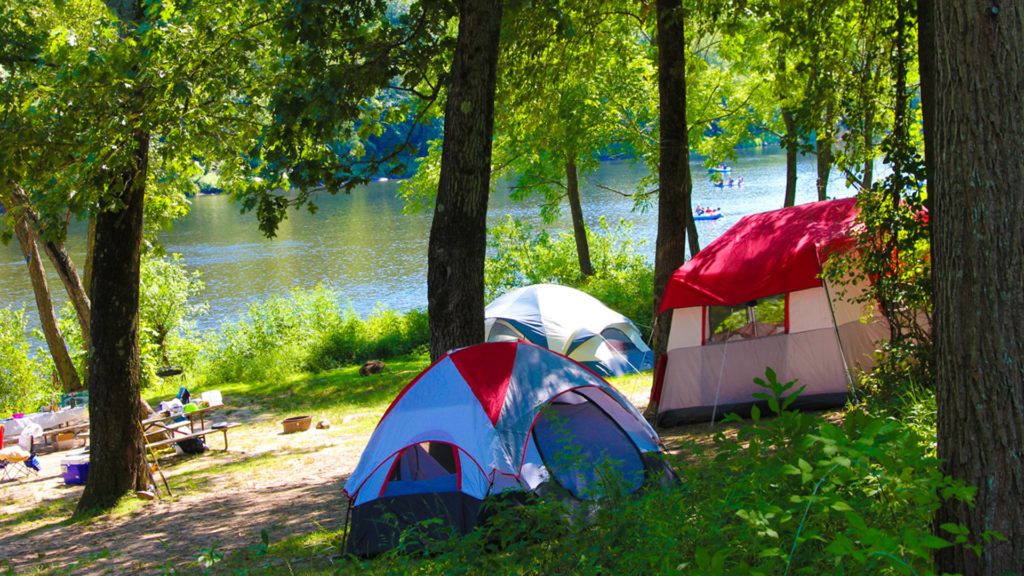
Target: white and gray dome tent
{"points": [[572, 323]]}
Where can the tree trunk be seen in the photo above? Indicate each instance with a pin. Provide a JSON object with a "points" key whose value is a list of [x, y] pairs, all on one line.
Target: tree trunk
{"points": [[61, 261], [792, 149], [458, 233], [44, 304], [868, 179], [823, 147], [926, 67], [674, 214], [977, 235], [579, 228], [117, 461]]}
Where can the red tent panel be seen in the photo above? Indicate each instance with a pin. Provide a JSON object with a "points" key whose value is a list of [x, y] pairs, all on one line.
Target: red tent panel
{"points": [[763, 255]]}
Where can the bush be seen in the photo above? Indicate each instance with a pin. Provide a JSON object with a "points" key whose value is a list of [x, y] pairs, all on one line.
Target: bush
{"points": [[272, 340], [384, 334], [23, 388], [307, 330]]}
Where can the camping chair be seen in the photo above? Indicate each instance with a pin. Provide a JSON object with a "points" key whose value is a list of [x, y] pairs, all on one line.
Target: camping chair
{"points": [[16, 462]]}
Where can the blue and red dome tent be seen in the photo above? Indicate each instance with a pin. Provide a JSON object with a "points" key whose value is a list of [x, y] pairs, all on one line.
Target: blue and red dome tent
{"points": [[486, 420]]}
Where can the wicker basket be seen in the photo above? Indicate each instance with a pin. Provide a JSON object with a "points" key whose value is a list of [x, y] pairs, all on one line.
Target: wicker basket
{"points": [[296, 424]]}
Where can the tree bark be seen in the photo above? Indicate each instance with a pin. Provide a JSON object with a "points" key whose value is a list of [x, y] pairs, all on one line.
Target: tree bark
{"points": [[62, 263], [823, 147], [675, 215], [792, 149], [579, 228], [926, 67], [977, 235], [116, 461], [458, 233], [44, 304]]}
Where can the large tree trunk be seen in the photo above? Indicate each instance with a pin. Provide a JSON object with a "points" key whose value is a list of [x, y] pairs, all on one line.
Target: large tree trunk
{"points": [[579, 228], [458, 233], [978, 232], [116, 461], [674, 213], [44, 304]]}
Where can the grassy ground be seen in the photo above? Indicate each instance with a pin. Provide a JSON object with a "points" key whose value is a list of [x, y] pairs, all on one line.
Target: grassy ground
{"points": [[271, 504]]}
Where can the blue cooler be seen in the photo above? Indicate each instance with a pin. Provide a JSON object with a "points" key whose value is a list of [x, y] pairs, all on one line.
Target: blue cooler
{"points": [[75, 469]]}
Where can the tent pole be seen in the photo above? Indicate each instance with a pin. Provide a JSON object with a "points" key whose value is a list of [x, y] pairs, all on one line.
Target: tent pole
{"points": [[839, 341], [718, 388]]}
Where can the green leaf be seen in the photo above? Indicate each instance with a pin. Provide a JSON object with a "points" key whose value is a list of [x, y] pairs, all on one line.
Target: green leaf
{"points": [[934, 542]]}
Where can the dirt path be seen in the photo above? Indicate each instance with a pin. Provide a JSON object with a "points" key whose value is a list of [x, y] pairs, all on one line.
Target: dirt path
{"points": [[288, 485]]}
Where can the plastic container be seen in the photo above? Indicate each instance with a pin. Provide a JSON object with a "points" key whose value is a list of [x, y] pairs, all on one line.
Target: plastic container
{"points": [[75, 469]]}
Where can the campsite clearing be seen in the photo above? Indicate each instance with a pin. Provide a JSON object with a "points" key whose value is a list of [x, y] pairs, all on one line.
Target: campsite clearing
{"points": [[288, 485]]}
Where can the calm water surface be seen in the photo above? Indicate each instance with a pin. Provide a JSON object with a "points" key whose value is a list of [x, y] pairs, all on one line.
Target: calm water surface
{"points": [[363, 246]]}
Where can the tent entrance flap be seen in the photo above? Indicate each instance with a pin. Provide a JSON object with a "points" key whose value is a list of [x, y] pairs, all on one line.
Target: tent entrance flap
{"points": [[585, 451]]}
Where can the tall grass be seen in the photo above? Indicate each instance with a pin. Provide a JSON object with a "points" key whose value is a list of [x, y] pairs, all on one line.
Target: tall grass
{"points": [[307, 330]]}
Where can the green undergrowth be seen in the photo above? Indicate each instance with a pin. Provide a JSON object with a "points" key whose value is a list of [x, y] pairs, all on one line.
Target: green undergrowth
{"points": [[792, 493]]}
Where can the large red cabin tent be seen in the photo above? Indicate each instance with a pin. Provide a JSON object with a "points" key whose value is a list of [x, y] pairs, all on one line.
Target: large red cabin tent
{"points": [[487, 421], [755, 298]]}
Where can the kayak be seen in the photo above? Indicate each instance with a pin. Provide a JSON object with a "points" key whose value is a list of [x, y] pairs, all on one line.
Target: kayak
{"points": [[720, 170]]}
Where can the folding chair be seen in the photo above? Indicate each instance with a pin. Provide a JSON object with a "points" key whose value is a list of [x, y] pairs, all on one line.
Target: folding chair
{"points": [[16, 462]]}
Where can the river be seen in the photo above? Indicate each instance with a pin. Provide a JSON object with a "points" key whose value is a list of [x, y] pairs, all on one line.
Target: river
{"points": [[363, 246]]}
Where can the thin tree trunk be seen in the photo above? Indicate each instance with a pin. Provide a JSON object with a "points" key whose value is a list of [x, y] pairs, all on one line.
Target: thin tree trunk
{"points": [[675, 217], [868, 179], [44, 304], [458, 233], [823, 147], [791, 156], [926, 67], [977, 235], [579, 228], [61, 261]]}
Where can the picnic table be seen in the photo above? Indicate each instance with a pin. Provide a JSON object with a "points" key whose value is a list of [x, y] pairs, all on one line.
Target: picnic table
{"points": [[50, 423], [164, 429]]}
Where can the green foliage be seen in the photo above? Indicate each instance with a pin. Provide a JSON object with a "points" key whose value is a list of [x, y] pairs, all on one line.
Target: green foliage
{"points": [[165, 309], [384, 334], [794, 494], [23, 388], [307, 330], [622, 279]]}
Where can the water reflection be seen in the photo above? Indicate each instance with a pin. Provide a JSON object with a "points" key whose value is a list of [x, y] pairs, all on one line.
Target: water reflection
{"points": [[365, 248]]}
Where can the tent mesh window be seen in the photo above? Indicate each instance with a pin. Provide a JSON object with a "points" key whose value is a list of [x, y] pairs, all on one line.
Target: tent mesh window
{"points": [[618, 341], [754, 319]]}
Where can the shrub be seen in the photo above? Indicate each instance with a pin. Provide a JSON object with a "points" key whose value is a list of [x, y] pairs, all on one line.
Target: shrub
{"points": [[22, 386], [384, 334], [307, 330], [273, 338]]}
